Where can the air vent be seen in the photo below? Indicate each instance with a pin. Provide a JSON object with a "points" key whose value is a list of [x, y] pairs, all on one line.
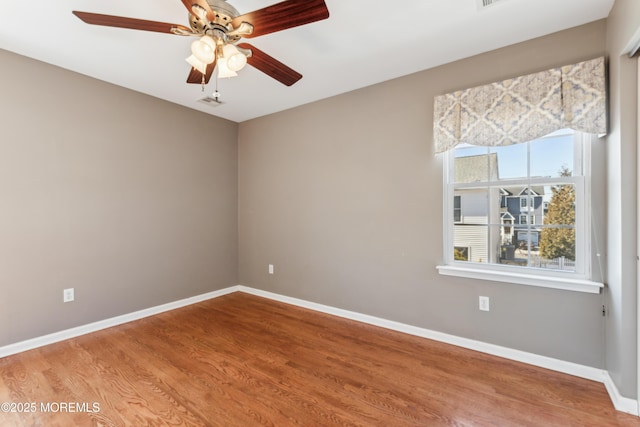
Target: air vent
{"points": [[211, 101], [482, 4]]}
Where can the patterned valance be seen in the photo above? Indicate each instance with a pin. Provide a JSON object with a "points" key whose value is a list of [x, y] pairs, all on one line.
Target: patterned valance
{"points": [[524, 108]]}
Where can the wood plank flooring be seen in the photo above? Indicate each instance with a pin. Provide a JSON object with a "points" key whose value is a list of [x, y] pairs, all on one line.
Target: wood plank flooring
{"points": [[241, 360]]}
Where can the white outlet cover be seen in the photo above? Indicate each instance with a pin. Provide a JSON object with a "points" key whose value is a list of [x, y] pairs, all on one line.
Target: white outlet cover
{"points": [[68, 295], [483, 303]]}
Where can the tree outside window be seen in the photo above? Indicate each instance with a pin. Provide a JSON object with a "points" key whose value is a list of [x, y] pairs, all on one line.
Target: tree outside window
{"points": [[560, 241]]}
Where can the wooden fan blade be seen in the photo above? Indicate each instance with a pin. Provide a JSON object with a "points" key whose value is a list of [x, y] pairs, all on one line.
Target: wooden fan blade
{"points": [[195, 76], [271, 66], [131, 23], [280, 16], [211, 16]]}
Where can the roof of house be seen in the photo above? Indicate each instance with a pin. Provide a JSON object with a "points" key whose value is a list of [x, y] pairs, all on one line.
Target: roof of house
{"points": [[476, 168]]}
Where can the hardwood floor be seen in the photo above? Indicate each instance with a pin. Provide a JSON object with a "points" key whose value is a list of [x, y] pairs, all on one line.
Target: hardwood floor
{"points": [[241, 360]]}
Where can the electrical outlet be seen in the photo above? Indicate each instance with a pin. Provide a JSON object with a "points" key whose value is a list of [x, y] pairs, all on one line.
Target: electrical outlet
{"points": [[68, 295], [271, 269], [483, 303]]}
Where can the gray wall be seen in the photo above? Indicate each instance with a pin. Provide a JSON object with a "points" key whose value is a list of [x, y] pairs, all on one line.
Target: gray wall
{"points": [[130, 200], [621, 327], [118, 195], [344, 197]]}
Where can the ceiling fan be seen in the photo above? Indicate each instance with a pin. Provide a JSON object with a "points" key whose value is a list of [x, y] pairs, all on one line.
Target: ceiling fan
{"points": [[220, 27]]}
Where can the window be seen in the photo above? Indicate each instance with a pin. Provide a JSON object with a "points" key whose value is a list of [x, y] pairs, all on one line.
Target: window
{"points": [[503, 198], [461, 253], [549, 179], [457, 209]]}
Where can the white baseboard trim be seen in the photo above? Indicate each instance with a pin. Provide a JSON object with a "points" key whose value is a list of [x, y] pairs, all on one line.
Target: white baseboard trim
{"points": [[107, 323], [574, 369], [620, 402]]}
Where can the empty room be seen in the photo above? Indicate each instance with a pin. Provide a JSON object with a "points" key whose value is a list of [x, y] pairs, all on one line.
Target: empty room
{"points": [[319, 213]]}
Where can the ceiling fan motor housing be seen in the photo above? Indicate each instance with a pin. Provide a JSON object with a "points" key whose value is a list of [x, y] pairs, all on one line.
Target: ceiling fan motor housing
{"points": [[224, 14]]}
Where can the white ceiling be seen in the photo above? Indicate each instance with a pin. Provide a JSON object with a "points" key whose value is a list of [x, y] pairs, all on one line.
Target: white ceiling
{"points": [[362, 43]]}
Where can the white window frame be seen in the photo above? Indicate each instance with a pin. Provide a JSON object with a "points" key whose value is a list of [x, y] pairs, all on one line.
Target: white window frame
{"points": [[579, 281]]}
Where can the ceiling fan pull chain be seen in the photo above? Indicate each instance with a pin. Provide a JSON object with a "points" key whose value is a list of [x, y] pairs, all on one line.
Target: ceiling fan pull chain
{"points": [[203, 82], [216, 94]]}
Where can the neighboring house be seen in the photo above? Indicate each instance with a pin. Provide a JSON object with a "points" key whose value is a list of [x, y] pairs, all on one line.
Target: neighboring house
{"points": [[471, 209], [482, 234], [525, 209]]}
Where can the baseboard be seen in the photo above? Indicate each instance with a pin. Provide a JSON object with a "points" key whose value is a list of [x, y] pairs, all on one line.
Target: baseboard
{"points": [[108, 323], [620, 402], [574, 369]]}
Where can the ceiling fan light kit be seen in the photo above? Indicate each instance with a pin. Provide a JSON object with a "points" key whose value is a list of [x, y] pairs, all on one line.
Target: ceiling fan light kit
{"points": [[204, 49], [197, 64], [220, 27], [223, 69], [234, 58]]}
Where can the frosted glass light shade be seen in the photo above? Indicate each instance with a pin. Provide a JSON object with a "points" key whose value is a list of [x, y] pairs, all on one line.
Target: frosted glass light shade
{"points": [[224, 71], [204, 49], [235, 60], [197, 64]]}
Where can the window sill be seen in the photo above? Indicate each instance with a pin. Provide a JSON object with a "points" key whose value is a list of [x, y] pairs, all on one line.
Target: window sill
{"points": [[567, 284]]}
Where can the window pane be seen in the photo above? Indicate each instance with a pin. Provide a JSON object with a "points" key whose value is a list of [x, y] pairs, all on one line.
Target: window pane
{"points": [[474, 238], [507, 246], [557, 249], [473, 205], [558, 235], [552, 156], [561, 206]]}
